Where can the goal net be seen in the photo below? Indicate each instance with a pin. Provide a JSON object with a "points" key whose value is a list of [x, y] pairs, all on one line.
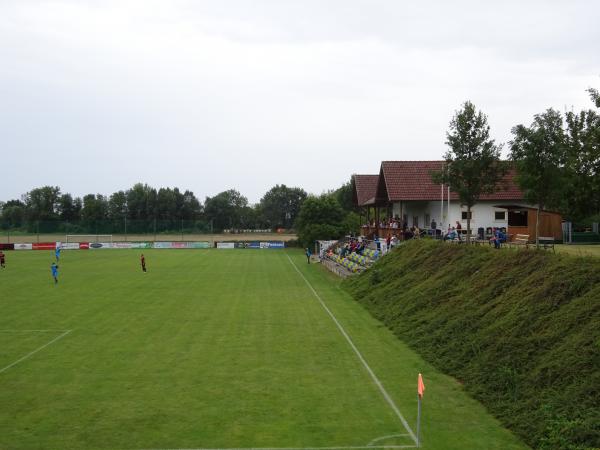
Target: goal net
{"points": [[88, 238]]}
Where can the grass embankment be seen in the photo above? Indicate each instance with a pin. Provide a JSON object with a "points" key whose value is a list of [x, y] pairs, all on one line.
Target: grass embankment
{"points": [[520, 329]]}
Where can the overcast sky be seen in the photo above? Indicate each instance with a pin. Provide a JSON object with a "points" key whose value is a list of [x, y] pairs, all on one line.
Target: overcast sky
{"points": [[212, 95]]}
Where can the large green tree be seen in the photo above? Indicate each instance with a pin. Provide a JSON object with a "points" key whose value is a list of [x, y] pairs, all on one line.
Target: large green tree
{"points": [[69, 209], [320, 218], [539, 153], [117, 205], [225, 210], [13, 214], [582, 199], [141, 206], [345, 195], [473, 165], [281, 204], [95, 211], [42, 203], [191, 207]]}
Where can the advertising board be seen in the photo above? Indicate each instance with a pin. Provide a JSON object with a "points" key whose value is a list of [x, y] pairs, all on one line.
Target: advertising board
{"points": [[163, 245], [23, 246], [225, 245], [43, 246], [179, 244], [122, 245], [259, 244], [199, 244], [69, 245], [141, 244], [100, 245], [7, 246]]}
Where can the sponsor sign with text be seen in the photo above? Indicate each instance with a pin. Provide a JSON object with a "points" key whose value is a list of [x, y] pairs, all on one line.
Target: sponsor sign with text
{"points": [[199, 244], [44, 246], [100, 245], [141, 244], [70, 246], [122, 245]]}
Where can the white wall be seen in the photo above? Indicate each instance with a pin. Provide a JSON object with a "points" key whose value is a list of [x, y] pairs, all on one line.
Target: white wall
{"points": [[483, 214]]}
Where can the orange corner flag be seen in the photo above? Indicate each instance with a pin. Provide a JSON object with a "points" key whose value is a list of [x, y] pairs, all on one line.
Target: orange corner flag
{"points": [[420, 386]]}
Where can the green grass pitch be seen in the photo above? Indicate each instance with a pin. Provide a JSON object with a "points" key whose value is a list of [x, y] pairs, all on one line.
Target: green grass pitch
{"points": [[209, 349]]}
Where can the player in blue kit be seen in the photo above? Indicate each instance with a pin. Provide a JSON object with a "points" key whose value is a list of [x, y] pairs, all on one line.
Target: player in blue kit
{"points": [[54, 269], [57, 253]]}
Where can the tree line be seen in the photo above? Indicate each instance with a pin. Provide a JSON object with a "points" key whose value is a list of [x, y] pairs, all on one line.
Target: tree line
{"points": [[145, 209], [142, 206]]}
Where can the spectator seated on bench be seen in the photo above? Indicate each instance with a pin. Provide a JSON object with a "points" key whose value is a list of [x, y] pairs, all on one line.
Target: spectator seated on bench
{"points": [[498, 238], [452, 235]]}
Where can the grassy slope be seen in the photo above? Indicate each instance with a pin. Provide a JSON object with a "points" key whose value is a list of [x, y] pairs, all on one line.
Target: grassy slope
{"points": [[520, 329], [208, 349]]}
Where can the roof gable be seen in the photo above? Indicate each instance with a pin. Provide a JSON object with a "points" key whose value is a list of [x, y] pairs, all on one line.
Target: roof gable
{"points": [[411, 180], [365, 187]]}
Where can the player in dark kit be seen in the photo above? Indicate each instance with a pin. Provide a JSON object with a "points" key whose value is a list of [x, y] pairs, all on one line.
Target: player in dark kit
{"points": [[143, 261], [2, 260]]}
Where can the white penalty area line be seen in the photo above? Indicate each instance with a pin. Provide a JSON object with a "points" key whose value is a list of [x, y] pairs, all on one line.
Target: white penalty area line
{"points": [[385, 394], [37, 349]]}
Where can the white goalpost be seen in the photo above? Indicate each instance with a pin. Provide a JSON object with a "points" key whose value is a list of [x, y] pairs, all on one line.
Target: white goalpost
{"points": [[89, 238]]}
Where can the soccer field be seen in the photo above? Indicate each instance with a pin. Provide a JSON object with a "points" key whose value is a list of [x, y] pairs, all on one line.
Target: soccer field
{"points": [[211, 349]]}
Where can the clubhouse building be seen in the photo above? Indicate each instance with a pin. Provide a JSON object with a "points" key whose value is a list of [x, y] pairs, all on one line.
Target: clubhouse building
{"points": [[403, 193]]}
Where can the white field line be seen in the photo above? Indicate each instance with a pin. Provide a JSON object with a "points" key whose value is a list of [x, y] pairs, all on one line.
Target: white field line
{"points": [[387, 397], [293, 448], [35, 351], [383, 438], [32, 331]]}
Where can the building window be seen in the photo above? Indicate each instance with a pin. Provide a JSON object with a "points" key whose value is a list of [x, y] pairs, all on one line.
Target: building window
{"points": [[465, 215], [517, 218], [415, 221], [500, 215], [427, 220]]}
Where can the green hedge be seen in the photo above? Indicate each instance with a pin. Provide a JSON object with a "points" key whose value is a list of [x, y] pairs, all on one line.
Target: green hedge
{"points": [[520, 329]]}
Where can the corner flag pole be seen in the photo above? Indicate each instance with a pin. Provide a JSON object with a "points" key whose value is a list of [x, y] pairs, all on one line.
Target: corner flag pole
{"points": [[420, 390]]}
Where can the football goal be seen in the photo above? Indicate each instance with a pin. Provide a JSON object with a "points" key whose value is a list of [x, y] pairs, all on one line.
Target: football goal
{"points": [[88, 238]]}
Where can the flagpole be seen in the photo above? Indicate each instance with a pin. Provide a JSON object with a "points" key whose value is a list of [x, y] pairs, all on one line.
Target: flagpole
{"points": [[420, 391], [418, 420]]}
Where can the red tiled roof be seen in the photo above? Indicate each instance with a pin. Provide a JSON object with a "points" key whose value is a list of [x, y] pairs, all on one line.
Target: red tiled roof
{"points": [[411, 180], [366, 188]]}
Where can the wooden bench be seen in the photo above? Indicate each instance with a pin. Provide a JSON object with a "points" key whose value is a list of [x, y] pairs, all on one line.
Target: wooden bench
{"points": [[520, 239], [547, 242]]}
